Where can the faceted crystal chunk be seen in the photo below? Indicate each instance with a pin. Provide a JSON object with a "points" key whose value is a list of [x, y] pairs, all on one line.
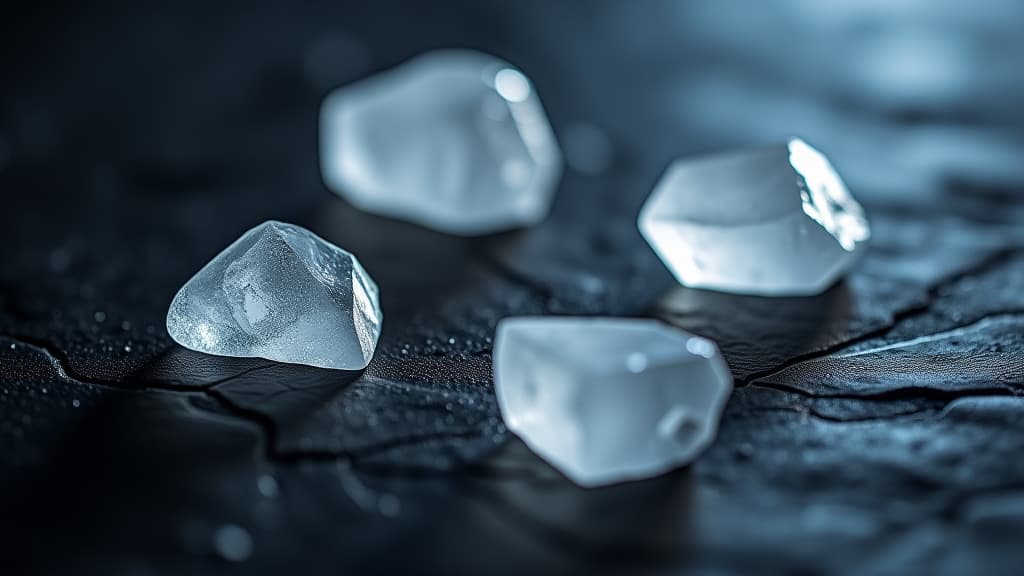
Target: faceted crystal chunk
{"points": [[283, 293], [773, 221], [607, 399], [452, 140]]}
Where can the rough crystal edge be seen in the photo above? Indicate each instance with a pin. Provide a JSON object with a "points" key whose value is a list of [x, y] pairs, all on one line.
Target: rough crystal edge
{"points": [[637, 473], [529, 215], [357, 266], [645, 223]]}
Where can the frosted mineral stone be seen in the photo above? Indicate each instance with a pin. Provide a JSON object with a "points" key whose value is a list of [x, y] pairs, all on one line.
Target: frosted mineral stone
{"points": [[283, 293], [773, 221], [606, 400], [453, 140]]}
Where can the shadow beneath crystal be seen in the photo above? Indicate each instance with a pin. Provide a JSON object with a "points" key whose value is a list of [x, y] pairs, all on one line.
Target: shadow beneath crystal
{"points": [[179, 367], [533, 512], [755, 332], [273, 389]]}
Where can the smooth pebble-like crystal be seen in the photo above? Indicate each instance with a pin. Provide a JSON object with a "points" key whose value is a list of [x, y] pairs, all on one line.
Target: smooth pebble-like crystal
{"points": [[454, 140], [773, 221], [283, 293], [606, 400]]}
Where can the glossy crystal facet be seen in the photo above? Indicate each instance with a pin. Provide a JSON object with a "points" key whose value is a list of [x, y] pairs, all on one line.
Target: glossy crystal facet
{"points": [[606, 400], [283, 293], [773, 221]]}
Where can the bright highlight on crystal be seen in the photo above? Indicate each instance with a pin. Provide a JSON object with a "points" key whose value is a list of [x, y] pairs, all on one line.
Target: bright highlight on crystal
{"points": [[453, 140], [774, 221], [606, 400], [283, 293]]}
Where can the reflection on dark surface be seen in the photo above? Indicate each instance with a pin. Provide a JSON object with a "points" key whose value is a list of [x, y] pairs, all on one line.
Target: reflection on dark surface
{"points": [[179, 366], [531, 511], [747, 327]]}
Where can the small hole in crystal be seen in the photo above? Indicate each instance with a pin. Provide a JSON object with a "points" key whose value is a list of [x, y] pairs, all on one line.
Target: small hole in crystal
{"points": [[678, 425], [687, 431]]}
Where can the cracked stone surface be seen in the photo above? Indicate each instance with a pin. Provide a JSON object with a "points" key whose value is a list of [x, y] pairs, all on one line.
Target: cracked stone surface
{"points": [[874, 428]]}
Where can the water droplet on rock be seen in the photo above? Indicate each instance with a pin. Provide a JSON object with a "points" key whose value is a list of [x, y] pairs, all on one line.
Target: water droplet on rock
{"points": [[744, 451], [267, 485], [233, 543], [60, 259], [389, 505]]}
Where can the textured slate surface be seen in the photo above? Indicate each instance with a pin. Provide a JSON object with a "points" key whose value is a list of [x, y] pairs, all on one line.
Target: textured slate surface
{"points": [[875, 428]]}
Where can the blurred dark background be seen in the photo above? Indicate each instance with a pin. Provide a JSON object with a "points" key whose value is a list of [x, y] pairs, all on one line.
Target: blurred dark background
{"points": [[143, 98], [137, 139]]}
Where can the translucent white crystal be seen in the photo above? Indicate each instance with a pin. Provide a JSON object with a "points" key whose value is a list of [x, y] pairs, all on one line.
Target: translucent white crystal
{"points": [[608, 399], [774, 221], [454, 140], [283, 293]]}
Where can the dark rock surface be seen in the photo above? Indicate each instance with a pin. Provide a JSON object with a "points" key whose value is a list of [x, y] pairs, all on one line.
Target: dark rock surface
{"points": [[876, 428]]}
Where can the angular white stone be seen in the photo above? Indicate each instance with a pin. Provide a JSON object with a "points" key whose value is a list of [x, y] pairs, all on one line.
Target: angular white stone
{"points": [[606, 400], [283, 293], [454, 140], [773, 221]]}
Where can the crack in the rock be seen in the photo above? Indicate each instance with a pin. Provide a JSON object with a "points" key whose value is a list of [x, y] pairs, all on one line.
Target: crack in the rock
{"points": [[353, 456], [763, 382], [898, 318], [860, 420], [903, 393], [951, 332], [215, 383], [816, 413], [61, 365], [273, 453]]}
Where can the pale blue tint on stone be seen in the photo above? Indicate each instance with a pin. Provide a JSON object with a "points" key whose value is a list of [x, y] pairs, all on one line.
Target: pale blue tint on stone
{"points": [[606, 400], [772, 221], [283, 293], [454, 140]]}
